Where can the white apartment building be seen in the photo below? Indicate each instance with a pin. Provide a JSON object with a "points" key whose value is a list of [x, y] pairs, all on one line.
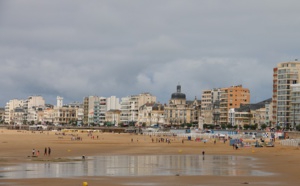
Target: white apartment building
{"points": [[9, 109], [18, 116], [284, 75], [113, 103], [209, 97], [125, 109], [295, 105], [30, 105], [269, 113], [32, 115], [34, 101], [210, 103], [130, 106], [102, 106], [112, 117]]}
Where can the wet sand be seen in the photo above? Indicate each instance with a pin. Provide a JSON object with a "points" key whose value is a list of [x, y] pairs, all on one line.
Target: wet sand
{"points": [[16, 147]]}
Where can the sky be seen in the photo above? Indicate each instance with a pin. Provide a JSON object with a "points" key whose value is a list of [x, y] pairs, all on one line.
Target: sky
{"points": [[75, 48]]}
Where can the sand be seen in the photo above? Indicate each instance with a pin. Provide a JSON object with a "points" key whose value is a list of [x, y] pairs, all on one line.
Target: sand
{"points": [[16, 147]]}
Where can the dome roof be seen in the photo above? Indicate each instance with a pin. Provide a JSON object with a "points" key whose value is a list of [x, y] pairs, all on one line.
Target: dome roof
{"points": [[178, 94]]}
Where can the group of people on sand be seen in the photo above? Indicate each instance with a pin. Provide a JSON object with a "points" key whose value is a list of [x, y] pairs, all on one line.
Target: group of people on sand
{"points": [[47, 152]]}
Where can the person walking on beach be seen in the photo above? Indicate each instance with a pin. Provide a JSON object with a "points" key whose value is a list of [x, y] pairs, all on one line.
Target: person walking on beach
{"points": [[45, 153], [49, 151], [33, 152]]}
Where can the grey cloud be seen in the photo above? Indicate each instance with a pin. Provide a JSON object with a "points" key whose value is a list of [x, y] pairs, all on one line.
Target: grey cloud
{"points": [[75, 49]]}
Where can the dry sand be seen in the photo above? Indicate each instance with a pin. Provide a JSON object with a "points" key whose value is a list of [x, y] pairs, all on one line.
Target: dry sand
{"points": [[16, 146]]}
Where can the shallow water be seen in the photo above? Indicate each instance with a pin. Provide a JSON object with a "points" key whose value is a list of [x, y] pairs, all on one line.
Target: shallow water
{"points": [[143, 165]]}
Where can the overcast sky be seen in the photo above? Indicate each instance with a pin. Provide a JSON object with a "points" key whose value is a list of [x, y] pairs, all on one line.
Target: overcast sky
{"points": [[75, 48]]}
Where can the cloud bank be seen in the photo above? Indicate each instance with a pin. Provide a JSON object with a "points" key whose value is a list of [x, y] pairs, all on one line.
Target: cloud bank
{"points": [[76, 48]]}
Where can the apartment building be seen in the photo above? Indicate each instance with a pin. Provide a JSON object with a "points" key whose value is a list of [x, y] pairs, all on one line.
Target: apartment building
{"points": [[99, 111], [151, 113], [112, 117], [295, 105], [130, 106], [195, 106], [9, 109], [2, 115], [30, 104], [88, 109], [284, 75], [66, 115], [250, 114], [232, 97], [125, 110], [210, 100], [103, 105], [269, 113], [18, 116]]}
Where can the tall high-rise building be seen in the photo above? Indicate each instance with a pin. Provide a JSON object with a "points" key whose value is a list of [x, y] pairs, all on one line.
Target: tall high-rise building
{"points": [[295, 105], [284, 75], [88, 109]]}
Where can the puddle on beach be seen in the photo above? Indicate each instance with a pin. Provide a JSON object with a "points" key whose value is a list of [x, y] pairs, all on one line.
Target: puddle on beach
{"points": [[143, 165]]}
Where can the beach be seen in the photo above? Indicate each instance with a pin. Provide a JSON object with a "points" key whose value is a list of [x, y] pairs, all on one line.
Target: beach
{"points": [[17, 146]]}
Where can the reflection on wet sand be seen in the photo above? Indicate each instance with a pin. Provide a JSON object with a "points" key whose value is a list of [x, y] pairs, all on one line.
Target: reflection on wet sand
{"points": [[144, 165]]}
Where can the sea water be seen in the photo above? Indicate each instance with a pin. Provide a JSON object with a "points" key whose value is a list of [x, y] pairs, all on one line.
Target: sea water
{"points": [[138, 165]]}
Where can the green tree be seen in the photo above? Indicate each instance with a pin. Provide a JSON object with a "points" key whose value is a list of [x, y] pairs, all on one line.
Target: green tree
{"points": [[229, 126], [254, 127], [246, 126], [263, 126]]}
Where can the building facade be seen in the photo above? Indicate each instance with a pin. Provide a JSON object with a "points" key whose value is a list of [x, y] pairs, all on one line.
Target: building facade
{"points": [[88, 109], [232, 97], [250, 114], [295, 105], [9, 110], [130, 107], [151, 113], [179, 111], [284, 75]]}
